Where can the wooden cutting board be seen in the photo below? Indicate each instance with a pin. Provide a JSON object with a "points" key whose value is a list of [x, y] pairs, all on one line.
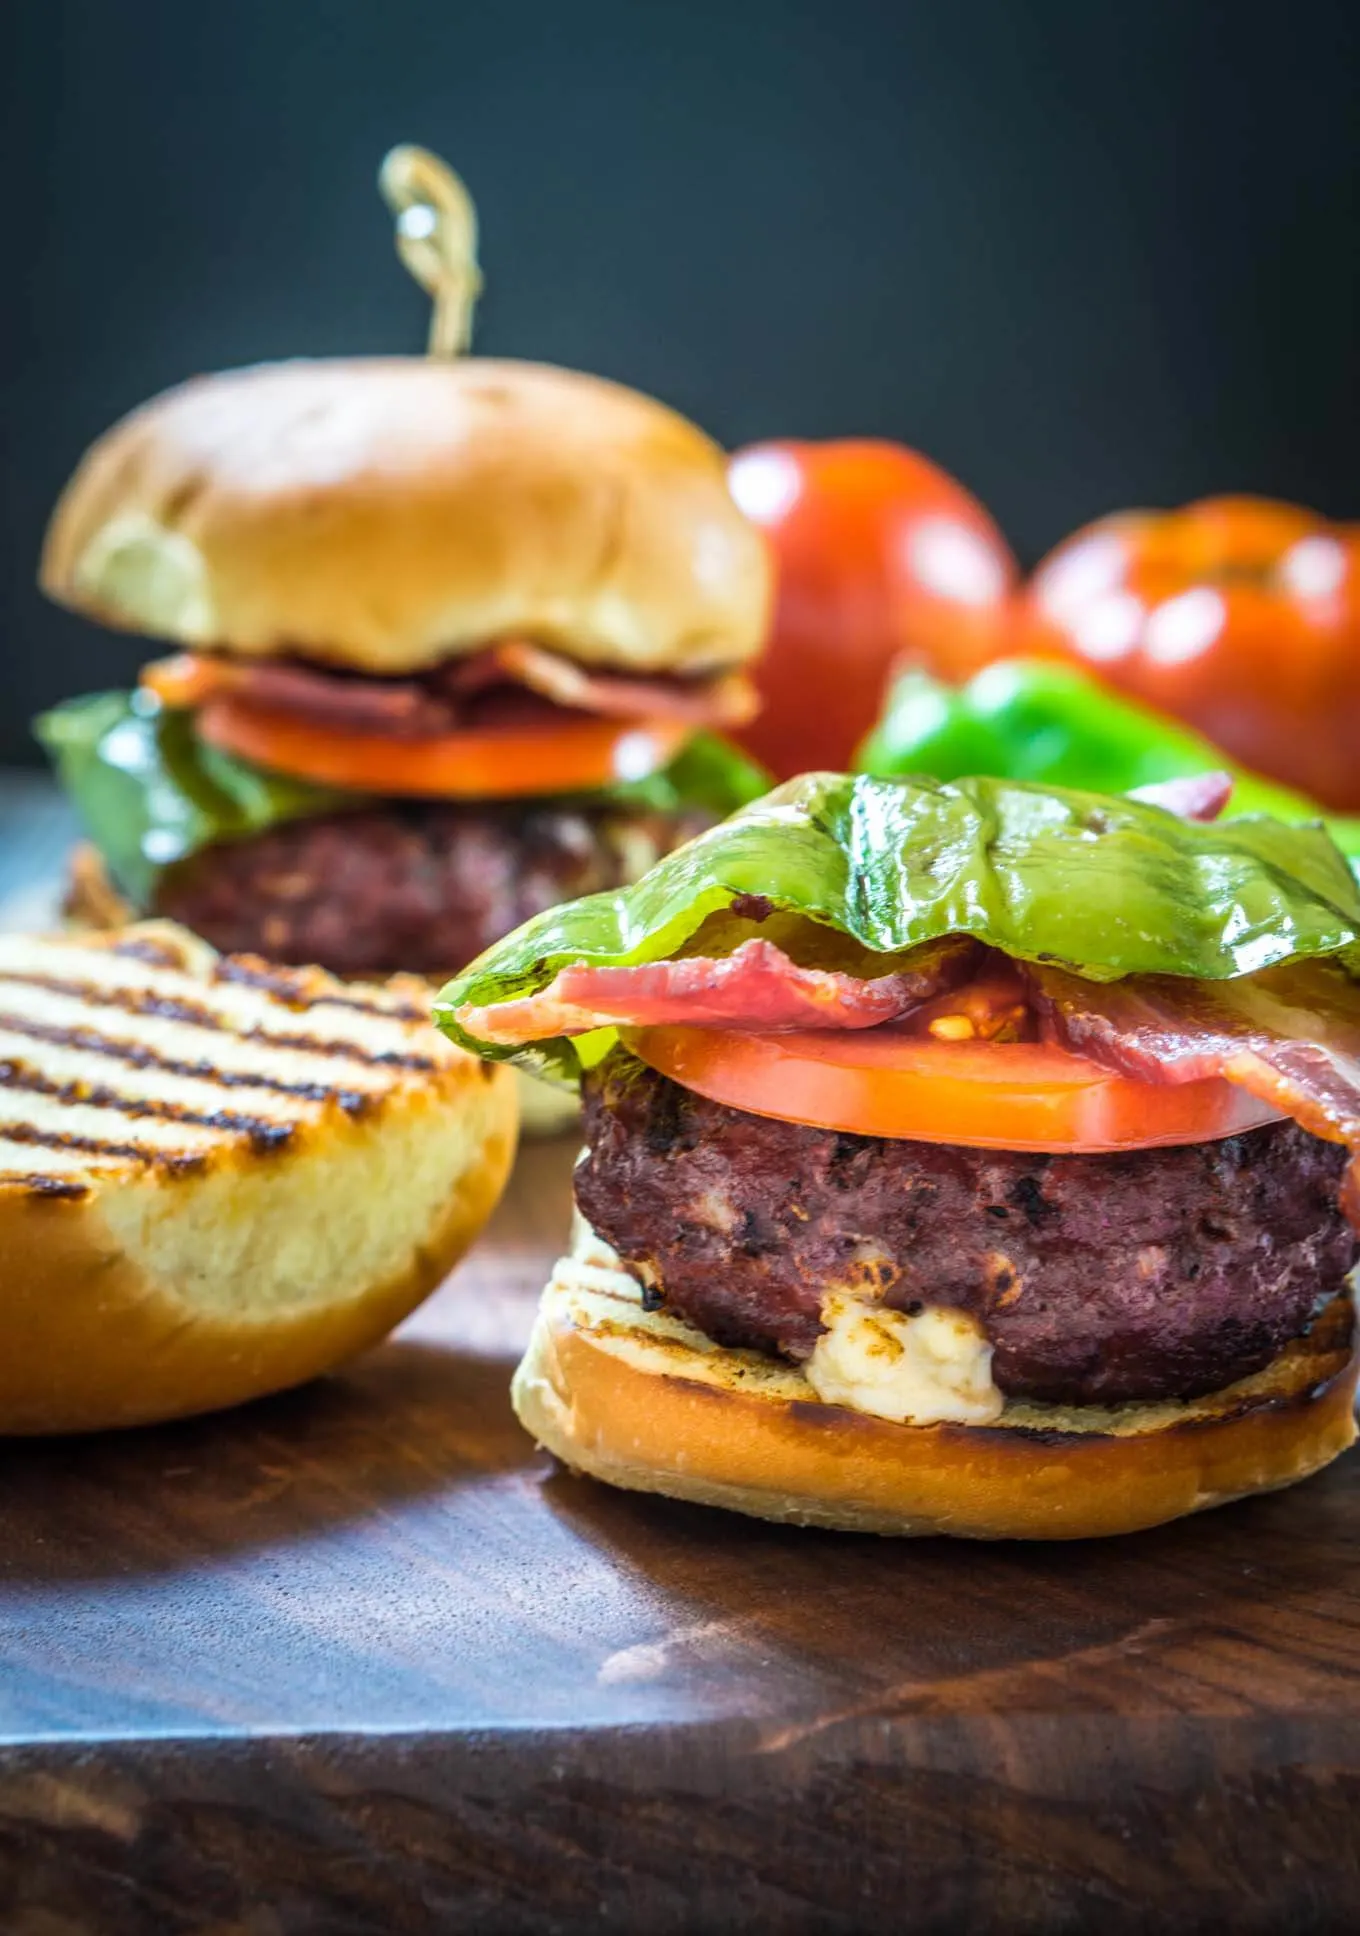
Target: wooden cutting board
{"points": [[359, 1660]]}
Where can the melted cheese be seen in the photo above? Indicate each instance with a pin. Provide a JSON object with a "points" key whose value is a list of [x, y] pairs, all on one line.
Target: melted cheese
{"points": [[927, 1369]]}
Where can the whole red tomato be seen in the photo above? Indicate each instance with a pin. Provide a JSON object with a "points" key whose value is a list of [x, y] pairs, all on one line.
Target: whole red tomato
{"points": [[1238, 614], [879, 555]]}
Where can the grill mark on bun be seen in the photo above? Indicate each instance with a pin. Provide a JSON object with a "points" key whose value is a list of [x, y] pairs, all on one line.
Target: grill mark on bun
{"points": [[132, 1001], [63, 1188], [158, 1006], [145, 1055], [292, 990], [138, 1055], [263, 1133], [156, 950], [180, 1161]]}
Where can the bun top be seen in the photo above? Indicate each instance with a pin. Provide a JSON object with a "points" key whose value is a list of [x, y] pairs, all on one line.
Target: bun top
{"points": [[387, 514]]}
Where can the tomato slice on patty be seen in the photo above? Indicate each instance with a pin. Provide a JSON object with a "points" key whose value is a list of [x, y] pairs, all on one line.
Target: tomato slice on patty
{"points": [[890, 1082], [570, 755]]}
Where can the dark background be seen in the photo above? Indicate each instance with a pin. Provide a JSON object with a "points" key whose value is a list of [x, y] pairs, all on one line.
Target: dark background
{"points": [[1085, 254]]}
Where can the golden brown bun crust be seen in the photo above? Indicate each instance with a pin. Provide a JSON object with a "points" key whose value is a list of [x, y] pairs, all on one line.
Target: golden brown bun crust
{"points": [[91, 1347], [389, 513], [142, 1289], [628, 1398]]}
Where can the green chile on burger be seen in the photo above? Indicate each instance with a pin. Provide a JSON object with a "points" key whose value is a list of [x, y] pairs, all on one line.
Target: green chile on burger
{"points": [[760, 1233]]}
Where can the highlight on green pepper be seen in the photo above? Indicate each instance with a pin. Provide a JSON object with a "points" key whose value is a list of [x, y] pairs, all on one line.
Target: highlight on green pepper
{"points": [[1035, 719]]}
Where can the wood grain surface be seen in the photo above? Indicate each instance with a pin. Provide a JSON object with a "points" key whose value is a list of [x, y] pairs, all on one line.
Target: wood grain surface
{"points": [[359, 1660]]}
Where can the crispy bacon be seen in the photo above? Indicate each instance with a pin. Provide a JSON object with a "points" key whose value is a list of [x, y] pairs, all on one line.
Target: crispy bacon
{"points": [[514, 683], [402, 707], [726, 699], [1199, 796], [756, 987], [1288, 1035], [398, 706]]}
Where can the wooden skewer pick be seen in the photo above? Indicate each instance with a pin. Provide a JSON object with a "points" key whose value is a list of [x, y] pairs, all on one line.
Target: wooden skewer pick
{"points": [[436, 240]]}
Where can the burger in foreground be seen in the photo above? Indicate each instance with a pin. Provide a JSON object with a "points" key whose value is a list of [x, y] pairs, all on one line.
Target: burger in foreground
{"points": [[218, 1179], [962, 1158], [456, 637]]}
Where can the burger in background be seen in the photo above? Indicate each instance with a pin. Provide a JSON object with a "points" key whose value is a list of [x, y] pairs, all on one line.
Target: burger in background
{"points": [[457, 638]]}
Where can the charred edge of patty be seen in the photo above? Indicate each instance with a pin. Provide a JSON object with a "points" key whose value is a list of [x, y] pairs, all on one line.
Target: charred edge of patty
{"points": [[421, 886]]}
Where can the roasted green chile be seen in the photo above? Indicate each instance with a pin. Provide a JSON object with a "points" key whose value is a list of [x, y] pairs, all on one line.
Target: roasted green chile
{"points": [[1032, 719], [1105, 886], [151, 793]]}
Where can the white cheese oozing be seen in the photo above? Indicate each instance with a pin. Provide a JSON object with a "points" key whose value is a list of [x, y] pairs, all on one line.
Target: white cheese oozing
{"points": [[593, 1265], [928, 1369]]}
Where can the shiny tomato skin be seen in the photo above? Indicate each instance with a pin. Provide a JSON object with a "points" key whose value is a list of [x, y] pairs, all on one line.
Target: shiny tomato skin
{"points": [[880, 556], [578, 754], [891, 1082], [1236, 614]]}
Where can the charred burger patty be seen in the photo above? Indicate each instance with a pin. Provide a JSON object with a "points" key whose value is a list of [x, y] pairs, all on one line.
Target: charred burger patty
{"points": [[412, 884], [1160, 1273]]}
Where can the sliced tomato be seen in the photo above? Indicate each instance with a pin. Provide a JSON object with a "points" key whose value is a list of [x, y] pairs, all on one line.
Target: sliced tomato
{"points": [[570, 755], [991, 1095], [188, 679]]}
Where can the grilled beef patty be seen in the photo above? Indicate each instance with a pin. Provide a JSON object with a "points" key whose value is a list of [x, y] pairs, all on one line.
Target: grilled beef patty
{"points": [[1157, 1274], [415, 885]]}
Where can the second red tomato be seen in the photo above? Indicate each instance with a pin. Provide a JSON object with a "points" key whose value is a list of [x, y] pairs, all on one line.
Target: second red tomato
{"points": [[880, 556]]}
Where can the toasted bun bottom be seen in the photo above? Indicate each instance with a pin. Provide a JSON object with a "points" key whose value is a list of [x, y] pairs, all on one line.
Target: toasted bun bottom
{"points": [[644, 1402], [92, 901]]}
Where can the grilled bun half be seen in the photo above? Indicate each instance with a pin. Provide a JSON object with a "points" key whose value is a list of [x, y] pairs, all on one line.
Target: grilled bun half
{"points": [[646, 1402], [388, 514], [219, 1178]]}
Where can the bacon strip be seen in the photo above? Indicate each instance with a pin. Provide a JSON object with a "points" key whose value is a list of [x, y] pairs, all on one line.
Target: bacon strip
{"points": [[403, 707], [1199, 796], [1288, 1035], [513, 682], [756, 987], [397, 706], [726, 699]]}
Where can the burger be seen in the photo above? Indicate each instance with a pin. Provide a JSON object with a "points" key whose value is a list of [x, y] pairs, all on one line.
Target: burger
{"points": [[971, 1158], [454, 641]]}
